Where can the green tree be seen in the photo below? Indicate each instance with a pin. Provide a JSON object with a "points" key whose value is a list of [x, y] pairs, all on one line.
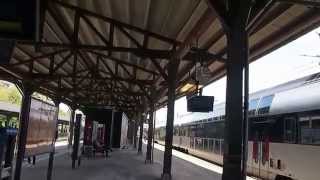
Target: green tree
{"points": [[9, 93]]}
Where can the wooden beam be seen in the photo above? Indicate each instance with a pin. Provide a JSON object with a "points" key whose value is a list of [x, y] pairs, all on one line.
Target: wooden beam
{"points": [[61, 26], [128, 35], [38, 57], [151, 53], [160, 69], [65, 59], [266, 17], [115, 22], [310, 3], [111, 37], [219, 9], [124, 62], [87, 20]]}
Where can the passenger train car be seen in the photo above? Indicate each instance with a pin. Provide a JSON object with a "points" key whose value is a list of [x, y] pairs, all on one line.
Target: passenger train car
{"points": [[284, 132]]}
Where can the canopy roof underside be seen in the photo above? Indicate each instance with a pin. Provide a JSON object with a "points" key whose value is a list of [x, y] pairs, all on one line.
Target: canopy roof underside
{"points": [[114, 52]]}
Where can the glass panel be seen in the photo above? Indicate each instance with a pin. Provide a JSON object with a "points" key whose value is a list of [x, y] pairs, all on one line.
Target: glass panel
{"points": [[211, 145], [310, 131], [289, 130], [266, 101], [264, 104], [217, 147], [253, 104], [316, 131]]}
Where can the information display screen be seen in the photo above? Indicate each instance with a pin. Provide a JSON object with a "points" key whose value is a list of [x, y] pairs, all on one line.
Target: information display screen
{"points": [[19, 19], [41, 128], [200, 103]]}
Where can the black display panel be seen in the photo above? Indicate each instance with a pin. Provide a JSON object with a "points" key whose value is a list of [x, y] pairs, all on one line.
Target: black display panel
{"points": [[19, 19], [200, 103]]}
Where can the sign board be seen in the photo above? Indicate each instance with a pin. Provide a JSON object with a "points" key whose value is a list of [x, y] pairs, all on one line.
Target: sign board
{"points": [[41, 128], [200, 103], [19, 19]]}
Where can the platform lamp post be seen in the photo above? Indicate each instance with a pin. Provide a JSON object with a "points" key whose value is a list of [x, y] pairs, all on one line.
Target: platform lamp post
{"points": [[27, 89]]}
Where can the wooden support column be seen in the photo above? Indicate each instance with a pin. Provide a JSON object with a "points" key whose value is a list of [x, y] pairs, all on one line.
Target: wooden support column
{"points": [[141, 119], [27, 90], [135, 129], [111, 130], [107, 136], [150, 134], [76, 143], [51, 155], [237, 50], [71, 125], [172, 82]]}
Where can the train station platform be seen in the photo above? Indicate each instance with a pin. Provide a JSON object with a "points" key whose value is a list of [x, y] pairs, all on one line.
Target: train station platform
{"points": [[123, 164]]}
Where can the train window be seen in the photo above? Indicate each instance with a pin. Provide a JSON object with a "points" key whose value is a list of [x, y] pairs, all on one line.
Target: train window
{"points": [[264, 104], [309, 129], [253, 104], [290, 130]]}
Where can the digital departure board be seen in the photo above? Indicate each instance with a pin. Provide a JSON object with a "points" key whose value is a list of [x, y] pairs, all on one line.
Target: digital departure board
{"points": [[200, 103], [19, 19]]}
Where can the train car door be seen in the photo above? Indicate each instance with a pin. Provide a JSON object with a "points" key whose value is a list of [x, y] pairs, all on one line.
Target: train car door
{"points": [[260, 149]]}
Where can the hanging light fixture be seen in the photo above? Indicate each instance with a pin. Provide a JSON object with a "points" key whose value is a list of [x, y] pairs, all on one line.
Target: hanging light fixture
{"points": [[202, 71]]}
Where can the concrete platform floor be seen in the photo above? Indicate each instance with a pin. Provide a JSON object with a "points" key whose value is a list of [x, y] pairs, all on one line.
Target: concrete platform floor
{"points": [[122, 165]]}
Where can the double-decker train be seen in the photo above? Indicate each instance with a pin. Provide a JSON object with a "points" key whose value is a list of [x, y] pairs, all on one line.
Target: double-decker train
{"points": [[284, 132]]}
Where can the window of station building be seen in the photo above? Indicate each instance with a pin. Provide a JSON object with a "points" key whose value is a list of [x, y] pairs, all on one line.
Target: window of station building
{"points": [[264, 104]]}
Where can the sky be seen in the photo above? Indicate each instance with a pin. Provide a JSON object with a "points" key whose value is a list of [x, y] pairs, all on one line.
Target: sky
{"points": [[282, 65]]}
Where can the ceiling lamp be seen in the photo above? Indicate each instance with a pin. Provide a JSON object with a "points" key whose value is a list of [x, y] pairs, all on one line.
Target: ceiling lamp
{"points": [[203, 74]]}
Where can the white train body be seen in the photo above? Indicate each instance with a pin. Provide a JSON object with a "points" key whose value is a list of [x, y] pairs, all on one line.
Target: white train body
{"points": [[284, 132]]}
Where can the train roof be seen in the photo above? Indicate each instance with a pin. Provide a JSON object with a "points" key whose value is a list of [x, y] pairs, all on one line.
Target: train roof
{"points": [[313, 78]]}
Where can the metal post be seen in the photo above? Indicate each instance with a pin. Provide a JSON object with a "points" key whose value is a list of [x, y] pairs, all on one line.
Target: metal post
{"points": [[76, 141], [9, 154], [245, 120], [150, 136], [140, 132], [167, 160], [111, 130], [51, 155], [237, 50], [3, 141], [71, 125], [23, 129], [135, 129], [154, 115], [106, 137]]}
